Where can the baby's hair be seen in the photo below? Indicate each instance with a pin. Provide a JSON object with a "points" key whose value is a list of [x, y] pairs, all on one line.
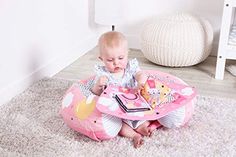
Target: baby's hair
{"points": [[111, 40]]}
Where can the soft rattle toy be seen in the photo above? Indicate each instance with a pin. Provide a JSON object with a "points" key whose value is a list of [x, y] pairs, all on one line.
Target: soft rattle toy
{"points": [[155, 92]]}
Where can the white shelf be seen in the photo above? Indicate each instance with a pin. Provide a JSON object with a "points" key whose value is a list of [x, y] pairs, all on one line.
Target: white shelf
{"points": [[227, 42]]}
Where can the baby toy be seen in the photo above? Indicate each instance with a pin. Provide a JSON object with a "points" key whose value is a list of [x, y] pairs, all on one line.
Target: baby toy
{"points": [[79, 112], [155, 92], [99, 117]]}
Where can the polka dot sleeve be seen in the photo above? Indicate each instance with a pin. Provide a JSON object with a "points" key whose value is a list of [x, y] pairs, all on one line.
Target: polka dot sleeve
{"points": [[134, 66]]}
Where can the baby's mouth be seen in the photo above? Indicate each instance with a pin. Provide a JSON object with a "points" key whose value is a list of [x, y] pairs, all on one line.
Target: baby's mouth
{"points": [[117, 69]]}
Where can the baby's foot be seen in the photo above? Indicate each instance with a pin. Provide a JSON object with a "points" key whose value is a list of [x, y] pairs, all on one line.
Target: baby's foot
{"points": [[138, 141], [153, 126], [143, 129]]}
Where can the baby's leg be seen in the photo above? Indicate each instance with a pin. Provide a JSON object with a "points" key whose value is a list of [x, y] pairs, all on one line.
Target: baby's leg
{"points": [[153, 126], [127, 131], [148, 127], [144, 129]]}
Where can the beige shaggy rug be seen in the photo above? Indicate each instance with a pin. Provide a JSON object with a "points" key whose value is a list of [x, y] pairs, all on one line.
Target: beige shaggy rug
{"points": [[31, 126], [231, 69]]}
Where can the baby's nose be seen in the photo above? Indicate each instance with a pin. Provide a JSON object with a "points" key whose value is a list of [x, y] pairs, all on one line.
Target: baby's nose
{"points": [[115, 62]]}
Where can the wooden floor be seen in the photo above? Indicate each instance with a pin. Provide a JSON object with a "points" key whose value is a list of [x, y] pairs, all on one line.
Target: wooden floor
{"points": [[200, 76]]}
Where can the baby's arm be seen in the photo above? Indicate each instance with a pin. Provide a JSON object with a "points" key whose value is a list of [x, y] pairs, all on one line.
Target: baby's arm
{"points": [[99, 85], [141, 77]]}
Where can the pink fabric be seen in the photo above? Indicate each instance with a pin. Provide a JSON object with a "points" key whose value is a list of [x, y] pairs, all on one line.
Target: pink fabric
{"points": [[81, 114], [189, 109], [90, 124], [182, 93]]}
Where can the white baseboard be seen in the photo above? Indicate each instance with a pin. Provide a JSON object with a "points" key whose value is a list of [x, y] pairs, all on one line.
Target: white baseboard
{"points": [[47, 70], [214, 49]]}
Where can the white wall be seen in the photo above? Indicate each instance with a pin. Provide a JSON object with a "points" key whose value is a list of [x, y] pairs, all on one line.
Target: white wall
{"points": [[40, 37], [136, 12]]}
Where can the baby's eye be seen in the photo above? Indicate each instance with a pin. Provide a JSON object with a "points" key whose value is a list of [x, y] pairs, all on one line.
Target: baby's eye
{"points": [[120, 58], [109, 60]]}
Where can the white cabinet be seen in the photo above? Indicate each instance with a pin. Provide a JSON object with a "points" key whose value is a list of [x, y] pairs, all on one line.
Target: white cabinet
{"points": [[227, 42]]}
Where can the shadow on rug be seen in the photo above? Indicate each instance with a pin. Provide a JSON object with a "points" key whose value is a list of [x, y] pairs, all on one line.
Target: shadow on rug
{"points": [[31, 126]]}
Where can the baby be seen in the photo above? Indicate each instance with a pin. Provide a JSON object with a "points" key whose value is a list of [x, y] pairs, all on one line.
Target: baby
{"points": [[117, 70]]}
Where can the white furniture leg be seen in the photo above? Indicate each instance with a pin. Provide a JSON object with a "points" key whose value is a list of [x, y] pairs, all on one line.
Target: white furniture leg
{"points": [[220, 68], [224, 50]]}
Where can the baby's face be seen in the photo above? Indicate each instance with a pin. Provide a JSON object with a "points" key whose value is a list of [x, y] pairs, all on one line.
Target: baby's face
{"points": [[115, 59]]}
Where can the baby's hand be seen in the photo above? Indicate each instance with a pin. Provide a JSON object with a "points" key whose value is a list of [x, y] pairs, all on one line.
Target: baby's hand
{"points": [[141, 79], [141, 85], [100, 85], [102, 82]]}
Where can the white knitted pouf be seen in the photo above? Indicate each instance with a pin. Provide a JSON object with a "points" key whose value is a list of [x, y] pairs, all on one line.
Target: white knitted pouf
{"points": [[177, 40]]}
